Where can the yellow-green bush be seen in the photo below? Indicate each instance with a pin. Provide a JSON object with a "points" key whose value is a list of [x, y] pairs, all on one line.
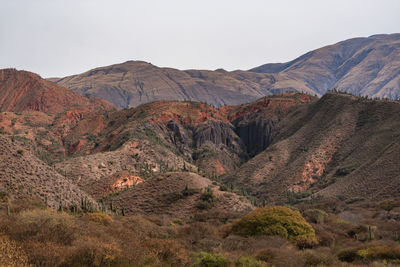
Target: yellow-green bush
{"points": [[99, 218], [281, 221], [379, 253], [205, 259]]}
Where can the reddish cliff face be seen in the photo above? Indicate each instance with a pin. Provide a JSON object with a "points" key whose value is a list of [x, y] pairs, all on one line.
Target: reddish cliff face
{"points": [[22, 90]]}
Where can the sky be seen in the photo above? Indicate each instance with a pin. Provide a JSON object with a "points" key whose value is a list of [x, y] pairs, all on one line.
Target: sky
{"points": [[56, 38]]}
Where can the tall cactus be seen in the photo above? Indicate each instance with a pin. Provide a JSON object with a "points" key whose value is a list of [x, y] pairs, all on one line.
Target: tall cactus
{"points": [[8, 209], [111, 206], [370, 233], [60, 206]]}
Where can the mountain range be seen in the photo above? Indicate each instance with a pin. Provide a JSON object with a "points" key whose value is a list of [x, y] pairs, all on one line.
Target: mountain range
{"points": [[142, 174], [361, 66]]}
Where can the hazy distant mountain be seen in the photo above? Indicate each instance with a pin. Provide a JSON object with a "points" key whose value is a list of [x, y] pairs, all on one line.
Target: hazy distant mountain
{"points": [[366, 66], [136, 82]]}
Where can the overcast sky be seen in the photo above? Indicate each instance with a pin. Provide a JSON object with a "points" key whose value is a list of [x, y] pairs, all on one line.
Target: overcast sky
{"points": [[55, 38]]}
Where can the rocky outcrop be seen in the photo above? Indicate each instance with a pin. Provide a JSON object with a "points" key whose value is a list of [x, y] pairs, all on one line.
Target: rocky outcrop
{"points": [[217, 133], [255, 133]]}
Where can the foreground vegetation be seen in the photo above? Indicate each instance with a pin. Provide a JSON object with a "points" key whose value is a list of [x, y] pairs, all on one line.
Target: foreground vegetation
{"points": [[269, 236]]}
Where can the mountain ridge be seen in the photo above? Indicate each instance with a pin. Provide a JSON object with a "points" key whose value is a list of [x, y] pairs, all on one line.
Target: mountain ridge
{"points": [[362, 66]]}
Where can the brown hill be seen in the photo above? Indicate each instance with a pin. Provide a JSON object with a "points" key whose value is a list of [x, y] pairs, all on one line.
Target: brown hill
{"points": [[22, 90], [165, 194], [215, 138], [366, 66], [24, 176], [362, 66], [341, 146], [136, 82], [169, 136]]}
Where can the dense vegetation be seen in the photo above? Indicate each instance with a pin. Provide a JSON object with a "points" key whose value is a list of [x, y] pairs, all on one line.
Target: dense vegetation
{"points": [[269, 236]]}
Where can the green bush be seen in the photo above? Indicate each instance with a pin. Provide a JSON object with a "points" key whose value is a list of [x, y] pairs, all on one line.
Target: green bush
{"points": [[342, 171], [281, 221], [205, 259], [246, 261], [206, 200]]}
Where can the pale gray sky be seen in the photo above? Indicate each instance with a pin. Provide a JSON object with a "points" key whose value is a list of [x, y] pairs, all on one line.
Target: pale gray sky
{"points": [[64, 37]]}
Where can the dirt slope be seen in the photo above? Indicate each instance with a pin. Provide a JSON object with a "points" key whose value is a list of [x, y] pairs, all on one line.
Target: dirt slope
{"points": [[22, 175], [162, 195], [343, 145]]}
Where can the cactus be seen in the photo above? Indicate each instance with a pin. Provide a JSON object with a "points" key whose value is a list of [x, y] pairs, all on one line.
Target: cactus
{"points": [[396, 236], [60, 207], [8, 209], [111, 206], [370, 233]]}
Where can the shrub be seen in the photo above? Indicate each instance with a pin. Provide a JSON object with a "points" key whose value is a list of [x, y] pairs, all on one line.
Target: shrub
{"points": [[265, 255], [389, 204], [206, 200], [99, 218], [313, 258], [342, 171], [354, 200], [11, 254], [379, 253], [347, 254], [43, 226], [164, 252], [93, 252], [178, 221], [316, 215], [280, 221], [205, 259], [246, 261]]}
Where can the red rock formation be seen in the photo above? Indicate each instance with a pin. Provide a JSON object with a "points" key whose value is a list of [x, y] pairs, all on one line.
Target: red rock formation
{"points": [[22, 90]]}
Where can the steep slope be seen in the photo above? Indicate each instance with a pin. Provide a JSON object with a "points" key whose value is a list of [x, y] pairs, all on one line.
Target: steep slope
{"points": [[362, 66], [341, 146], [135, 82], [44, 114], [215, 139], [22, 175], [22, 90]]}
